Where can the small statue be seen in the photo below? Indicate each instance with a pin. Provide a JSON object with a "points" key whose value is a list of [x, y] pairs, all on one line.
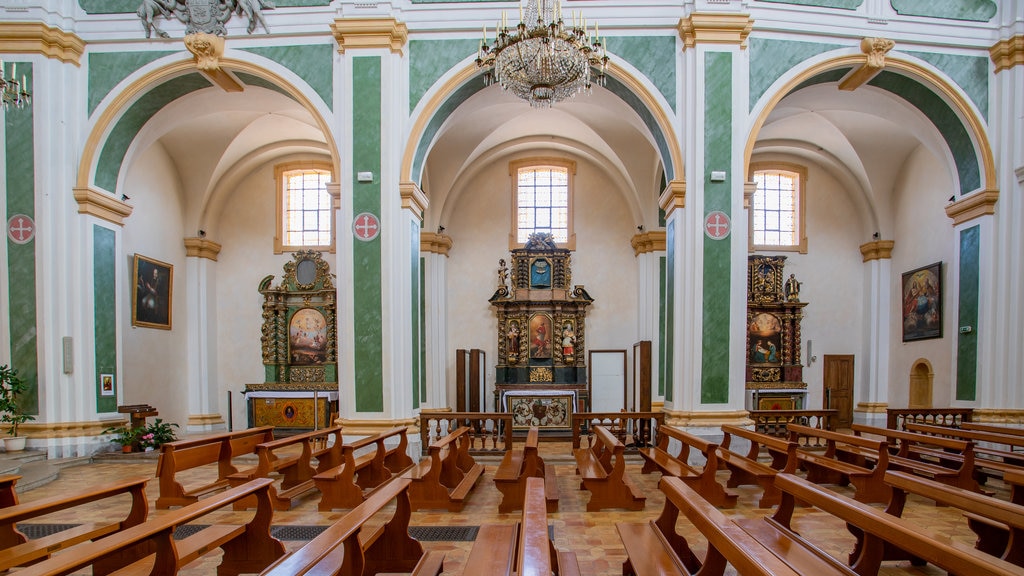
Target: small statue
{"points": [[148, 11], [502, 273], [792, 289], [253, 10], [568, 342], [513, 341]]}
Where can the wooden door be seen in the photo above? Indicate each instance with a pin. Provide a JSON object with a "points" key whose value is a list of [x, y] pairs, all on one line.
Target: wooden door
{"points": [[838, 392]]}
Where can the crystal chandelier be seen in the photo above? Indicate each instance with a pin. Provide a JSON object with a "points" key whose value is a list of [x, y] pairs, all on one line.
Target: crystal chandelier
{"points": [[542, 60], [12, 92]]}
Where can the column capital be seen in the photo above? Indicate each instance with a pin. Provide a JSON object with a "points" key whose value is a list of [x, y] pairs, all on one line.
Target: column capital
{"points": [[202, 248], [674, 197], [435, 243], [715, 28], [973, 206], [646, 242], [1008, 53], [877, 250], [413, 199], [102, 205], [38, 38], [382, 32]]}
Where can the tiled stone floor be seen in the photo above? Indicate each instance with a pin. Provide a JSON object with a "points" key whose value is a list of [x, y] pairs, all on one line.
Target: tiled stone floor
{"points": [[591, 535]]}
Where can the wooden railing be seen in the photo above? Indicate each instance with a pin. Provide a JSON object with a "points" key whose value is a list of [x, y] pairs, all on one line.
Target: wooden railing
{"points": [[775, 422], [491, 432], [896, 418], [633, 429]]}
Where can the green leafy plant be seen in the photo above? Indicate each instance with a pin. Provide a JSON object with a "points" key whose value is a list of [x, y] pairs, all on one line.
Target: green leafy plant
{"points": [[157, 433], [11, 388], [125, 435]]}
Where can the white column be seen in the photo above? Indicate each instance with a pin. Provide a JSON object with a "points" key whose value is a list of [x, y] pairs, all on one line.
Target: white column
{"points": [[650, 249], [434, 249], [872, 388], [204, 413]]}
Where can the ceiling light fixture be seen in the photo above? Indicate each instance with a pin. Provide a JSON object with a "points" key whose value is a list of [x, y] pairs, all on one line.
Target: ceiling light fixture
{"points": [[13, 93]]}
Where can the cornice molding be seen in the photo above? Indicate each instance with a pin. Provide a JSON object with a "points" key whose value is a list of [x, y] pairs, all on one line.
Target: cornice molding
{"points": [[356, 33], [38, 38], [974, 206], [435, 243], [1008, 53], [872, 407], [715, 28], [647, 242], [877, 250], [708, 419], [413, 199], [102, 205], [673, 198], [202, 248], [874, 50]]}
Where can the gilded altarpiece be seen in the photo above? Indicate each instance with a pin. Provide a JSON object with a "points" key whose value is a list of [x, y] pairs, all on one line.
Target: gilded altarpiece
{"points": [[300, 348], [541, 374], [774, 313]]}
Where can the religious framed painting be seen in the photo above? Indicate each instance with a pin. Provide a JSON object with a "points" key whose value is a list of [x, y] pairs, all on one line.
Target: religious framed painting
{"points": [[152, 293], [540, 336], [922, 303]]}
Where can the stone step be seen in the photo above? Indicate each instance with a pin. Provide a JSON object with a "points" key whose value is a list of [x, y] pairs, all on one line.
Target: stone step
{"points": [[34, 468]]}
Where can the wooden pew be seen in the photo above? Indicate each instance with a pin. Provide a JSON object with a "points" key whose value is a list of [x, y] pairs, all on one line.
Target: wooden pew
{"points": [[296, 471], [655, 548], [150, 547], [981, 427], [879, 527], [8, 495], [524, 549], [519, 465], [345, 549], [444, 478], [827, 468], [16, 549], [996, 460], [602, 468], [703, 481], [998, 524], [217, 449], [747, 469], [945, 460], [1015, 479], [346, 485]]}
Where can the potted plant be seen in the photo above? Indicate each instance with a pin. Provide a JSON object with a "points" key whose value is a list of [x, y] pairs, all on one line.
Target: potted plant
{"points": [[126, 436], [156, 434], [11, 411]]}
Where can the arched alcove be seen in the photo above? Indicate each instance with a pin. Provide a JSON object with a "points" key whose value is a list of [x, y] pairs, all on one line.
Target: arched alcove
{"points": [[921, 377]]}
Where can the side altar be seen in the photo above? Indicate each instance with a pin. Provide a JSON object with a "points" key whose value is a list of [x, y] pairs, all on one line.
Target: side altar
{"points": [[541, 374], [300, 349], [774, 313]]}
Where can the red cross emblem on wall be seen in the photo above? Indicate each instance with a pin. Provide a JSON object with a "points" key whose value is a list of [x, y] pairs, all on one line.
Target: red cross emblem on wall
{"points": [[717, 225], [21, 229], [365, 227]]}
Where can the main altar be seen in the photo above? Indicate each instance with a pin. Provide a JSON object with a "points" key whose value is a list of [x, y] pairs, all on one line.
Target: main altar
{"points": [[774, 314], [541, 374], [300, 349]]}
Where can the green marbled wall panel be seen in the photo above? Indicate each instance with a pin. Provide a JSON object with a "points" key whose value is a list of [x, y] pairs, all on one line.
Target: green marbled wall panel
{"points": [[834, 75], [841, 4], [967, 306], [121, 136], [107, 69], [21, 258], [314, 63], [431, 59], [654, 56], [252, 80], [718, 96], [634, 102], [127, 6], [669, 304], [973, 10], [663, 324], [944, 119], [104, 285], [969, 72], [770, 59], [416, 299], [367, 293]]}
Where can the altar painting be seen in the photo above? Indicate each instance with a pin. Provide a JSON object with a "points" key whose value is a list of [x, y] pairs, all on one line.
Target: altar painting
{"points": [[540, 336], [541, 411], [765, 339], [307, 337]]}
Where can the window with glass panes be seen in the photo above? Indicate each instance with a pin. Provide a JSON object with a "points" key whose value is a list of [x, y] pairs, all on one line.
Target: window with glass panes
{"points": [[306, 208], [776, 208], [542, 202]]}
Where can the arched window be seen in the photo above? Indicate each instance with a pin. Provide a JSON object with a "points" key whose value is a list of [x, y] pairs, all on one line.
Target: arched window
{"points": [[777, 208], [542, 192], [305, 214]]}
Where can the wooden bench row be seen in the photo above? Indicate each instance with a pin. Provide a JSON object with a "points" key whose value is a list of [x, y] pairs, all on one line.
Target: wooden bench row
{"points": [[516, 467], [444, 478], [602, 470], [661, 458]]}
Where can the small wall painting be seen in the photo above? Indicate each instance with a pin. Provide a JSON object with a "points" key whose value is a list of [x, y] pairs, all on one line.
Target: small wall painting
{"points": [[151, 302], [307, 337], [106, 384], [540, 336], [922, 303]]}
